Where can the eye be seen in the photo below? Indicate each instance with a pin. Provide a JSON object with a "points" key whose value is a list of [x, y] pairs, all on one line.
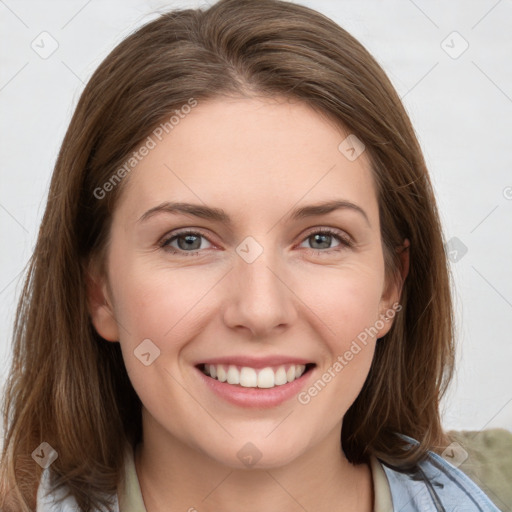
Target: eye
{"points": [[189, 243], [324, 237]]}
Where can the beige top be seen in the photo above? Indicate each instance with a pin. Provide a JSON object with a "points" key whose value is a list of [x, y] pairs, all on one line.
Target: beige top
{"points": [[130, 495]]}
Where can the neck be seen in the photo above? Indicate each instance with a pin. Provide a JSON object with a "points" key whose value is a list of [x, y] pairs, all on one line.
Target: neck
{"points": [[176, 477]]}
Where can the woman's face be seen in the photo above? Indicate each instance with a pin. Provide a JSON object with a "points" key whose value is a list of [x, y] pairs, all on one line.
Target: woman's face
{"points": [[257, 285]]}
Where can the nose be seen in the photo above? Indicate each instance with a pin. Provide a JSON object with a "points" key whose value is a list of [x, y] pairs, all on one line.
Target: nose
{"points": [[260, 298]]}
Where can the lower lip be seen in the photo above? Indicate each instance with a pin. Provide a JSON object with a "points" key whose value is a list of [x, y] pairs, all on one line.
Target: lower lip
{"points": [[263, 398]]}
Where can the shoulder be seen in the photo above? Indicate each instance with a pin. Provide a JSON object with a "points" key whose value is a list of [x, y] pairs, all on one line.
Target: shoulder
{"points": [[486, 457], [434, 484]]}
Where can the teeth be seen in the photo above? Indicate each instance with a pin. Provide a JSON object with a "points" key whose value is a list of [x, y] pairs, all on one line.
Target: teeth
{"points": [[248, 378], [219, 370], [266, 378], [252, 378], [280, 376], [233, 375]]}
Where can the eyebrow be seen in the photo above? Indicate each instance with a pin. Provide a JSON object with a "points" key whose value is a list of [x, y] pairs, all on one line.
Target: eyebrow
{"points": [[219, 215]]}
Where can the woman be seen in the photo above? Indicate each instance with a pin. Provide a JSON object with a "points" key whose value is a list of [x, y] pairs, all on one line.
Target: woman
{"points": [[182, 343]]}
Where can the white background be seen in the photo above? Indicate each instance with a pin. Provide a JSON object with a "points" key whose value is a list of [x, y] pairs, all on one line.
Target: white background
{"points": [[461, 109]]}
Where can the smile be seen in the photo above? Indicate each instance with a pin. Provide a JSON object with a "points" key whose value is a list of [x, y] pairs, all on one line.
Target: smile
{"points": [[254, 381]]}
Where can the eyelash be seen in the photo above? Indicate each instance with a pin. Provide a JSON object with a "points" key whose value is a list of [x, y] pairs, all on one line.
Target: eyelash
{"points": [[345, 242]]}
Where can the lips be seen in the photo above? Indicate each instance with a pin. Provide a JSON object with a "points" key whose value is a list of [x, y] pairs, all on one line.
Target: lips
{"points": [[252, 372], [264, 385]]}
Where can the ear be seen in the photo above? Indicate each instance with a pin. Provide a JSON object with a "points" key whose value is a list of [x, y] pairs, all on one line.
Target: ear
{"points": [[99, 303], [390, 299]]}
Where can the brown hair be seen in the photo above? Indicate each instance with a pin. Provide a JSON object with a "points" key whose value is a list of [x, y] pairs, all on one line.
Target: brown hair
{"points": [[69, 387]]}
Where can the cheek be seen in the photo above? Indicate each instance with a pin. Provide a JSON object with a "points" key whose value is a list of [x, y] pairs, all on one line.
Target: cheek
{"points": [[346, 303], [349, 308], [345, 299], [157, 306], [167, 307], [157, 303]]}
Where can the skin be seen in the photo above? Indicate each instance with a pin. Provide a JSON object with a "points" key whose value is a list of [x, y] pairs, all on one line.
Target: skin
{"points": [[277, 155]]}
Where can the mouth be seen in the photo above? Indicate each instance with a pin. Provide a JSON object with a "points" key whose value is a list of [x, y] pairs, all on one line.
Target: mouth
{"points": [[258, 378]]}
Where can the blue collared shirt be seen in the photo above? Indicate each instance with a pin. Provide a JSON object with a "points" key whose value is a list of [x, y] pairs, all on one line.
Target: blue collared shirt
{"points": [[434, 485]]}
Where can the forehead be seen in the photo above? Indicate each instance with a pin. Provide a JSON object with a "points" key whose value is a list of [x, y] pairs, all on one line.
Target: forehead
{"points": [[248, 155]]}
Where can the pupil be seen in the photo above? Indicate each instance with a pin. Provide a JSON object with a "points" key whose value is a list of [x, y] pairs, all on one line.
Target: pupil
{"points": [[189, 242], [320, 235]]}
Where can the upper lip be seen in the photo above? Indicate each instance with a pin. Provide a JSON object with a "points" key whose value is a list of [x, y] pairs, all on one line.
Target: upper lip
{"points": [[255, 362]]}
